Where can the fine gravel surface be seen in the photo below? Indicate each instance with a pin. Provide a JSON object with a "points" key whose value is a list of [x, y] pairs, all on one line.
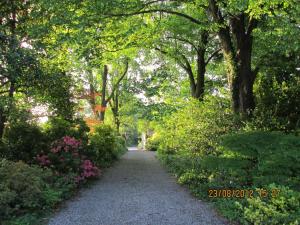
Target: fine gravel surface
{"points": [[136, 191]]}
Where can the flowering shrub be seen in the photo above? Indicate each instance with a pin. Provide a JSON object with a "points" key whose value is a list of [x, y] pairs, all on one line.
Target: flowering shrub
{"points": [[88, 170], [65, 157]]}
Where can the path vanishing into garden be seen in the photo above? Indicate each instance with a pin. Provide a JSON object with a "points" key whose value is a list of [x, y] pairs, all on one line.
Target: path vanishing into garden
{"points": [[136, 191]]}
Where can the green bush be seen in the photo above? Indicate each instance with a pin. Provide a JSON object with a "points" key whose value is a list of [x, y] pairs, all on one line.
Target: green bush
{"points": [[266, 157], [57, 128], [26, 219], [277, 103], [120, 146], [4, 152], [153, 142], [245, 161], [178, 163], [278, 210], [24, 189], [105, 145], [202, 147], [65, 184], [23, 141], [28, 192], [197, 127]]}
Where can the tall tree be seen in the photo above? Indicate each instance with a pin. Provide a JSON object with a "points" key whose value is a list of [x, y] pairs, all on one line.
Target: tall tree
{"points": [[114, 87], [234, 22]]}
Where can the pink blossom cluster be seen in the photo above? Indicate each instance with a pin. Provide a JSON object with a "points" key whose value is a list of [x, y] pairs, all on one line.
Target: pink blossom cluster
{"points": [[65, 157], [43, 160], [66, 144], [73, 142], [89, 171]]}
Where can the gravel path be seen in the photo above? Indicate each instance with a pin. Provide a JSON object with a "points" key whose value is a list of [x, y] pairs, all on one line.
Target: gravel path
{"points": [[136, 191]]}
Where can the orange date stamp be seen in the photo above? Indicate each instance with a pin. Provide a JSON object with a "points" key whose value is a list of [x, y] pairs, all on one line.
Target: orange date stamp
{"points": [[242, 193]]}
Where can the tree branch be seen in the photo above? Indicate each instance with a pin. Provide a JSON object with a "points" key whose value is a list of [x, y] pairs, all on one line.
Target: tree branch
{"points": [[190, 18], [184, 40], [156, 1], [161, 51], [212, 55], [252, 25], [189, 70], [118, 82]]}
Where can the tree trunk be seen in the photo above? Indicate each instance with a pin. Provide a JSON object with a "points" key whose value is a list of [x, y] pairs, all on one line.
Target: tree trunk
{"points": [[92, 91], [103, 97], [3, 114], [201, 66], [117, 118], [192, 83], [243, 84], [242, 91], [2, 122], [115, 109], [226, 42], [199, 92], [239, 73]]}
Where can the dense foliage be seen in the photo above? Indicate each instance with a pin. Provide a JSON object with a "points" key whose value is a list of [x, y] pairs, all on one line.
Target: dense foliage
{"points": [[23, 141], [25, 189], [57, 128], [55, 169], [105, 146], [196, 127], [237, 160]]}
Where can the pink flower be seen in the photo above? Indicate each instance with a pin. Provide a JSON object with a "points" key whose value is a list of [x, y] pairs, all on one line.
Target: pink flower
{"points": [[89, 170], [72, 142], [54, 150], [43, 160]]}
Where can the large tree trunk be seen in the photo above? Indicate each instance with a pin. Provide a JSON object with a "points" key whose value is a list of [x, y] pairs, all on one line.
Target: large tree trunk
{"points": [[242, 90], [226, 42], [239, 73], [198, 93], [103, 97], [201, 66], [243, 97]]}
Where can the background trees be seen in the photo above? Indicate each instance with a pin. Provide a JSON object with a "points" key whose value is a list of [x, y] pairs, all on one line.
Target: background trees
{"points": [[234, 23], [64, 50]]}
